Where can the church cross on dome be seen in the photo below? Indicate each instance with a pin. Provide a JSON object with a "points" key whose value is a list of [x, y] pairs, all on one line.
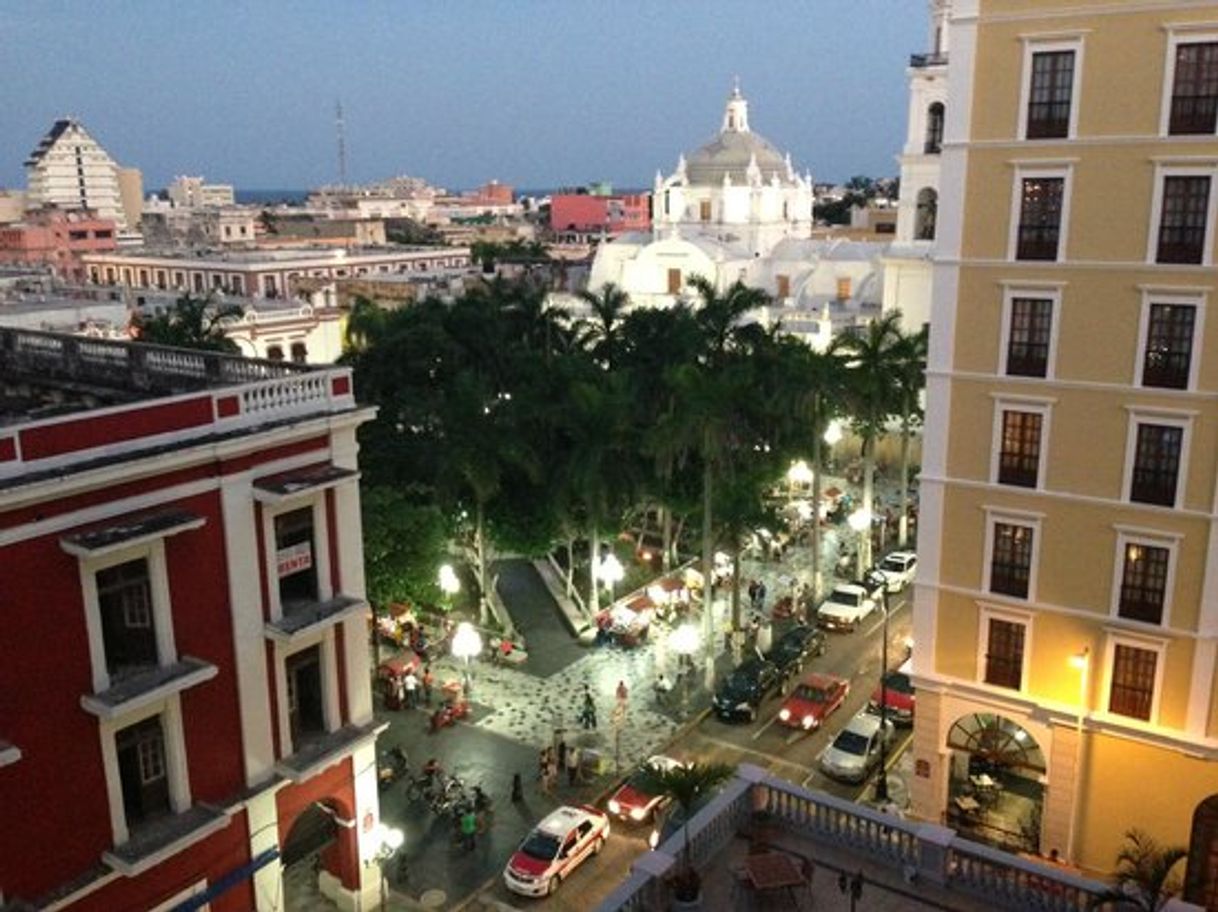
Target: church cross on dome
{"points": [[736, 116]]}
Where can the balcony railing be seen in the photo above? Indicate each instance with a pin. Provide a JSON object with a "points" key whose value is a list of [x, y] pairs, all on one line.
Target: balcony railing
{"points": [[910, 849], [918, 61]]}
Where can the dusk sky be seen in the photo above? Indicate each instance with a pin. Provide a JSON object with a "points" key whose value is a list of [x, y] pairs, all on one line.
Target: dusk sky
{"points": [[536, 94]]}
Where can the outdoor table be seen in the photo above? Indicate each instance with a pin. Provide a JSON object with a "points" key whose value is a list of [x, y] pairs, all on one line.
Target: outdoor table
{"points": [[772, 871], [967, 803], [984, 781]]}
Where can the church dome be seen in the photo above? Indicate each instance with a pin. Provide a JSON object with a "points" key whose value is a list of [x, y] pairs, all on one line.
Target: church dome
{"points": [[734, 150]]}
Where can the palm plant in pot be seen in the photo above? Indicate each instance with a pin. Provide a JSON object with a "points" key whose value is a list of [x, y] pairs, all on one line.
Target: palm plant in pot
{"points": [[687, 787]]}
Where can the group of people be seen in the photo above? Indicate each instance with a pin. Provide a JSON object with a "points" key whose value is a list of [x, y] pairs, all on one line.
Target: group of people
{"points": [[409, 687], [552, 760]]}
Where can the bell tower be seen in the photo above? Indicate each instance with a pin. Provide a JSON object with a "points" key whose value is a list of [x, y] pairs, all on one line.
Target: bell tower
{"points": [[736, 114]]}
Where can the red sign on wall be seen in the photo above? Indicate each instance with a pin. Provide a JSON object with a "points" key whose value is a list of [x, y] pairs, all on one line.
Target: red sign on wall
{"points": [[294, 558], [922, 768]]}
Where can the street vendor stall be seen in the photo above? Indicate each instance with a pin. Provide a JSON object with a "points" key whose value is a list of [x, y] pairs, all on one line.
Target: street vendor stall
{"points": [[392, 673]]}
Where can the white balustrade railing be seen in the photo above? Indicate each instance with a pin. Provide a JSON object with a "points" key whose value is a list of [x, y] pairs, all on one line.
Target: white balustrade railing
{"points": [[286, 395], [926, 851]]}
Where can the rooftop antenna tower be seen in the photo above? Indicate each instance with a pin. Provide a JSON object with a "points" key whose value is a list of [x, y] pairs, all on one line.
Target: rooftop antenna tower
{"points": [[342, 143]]}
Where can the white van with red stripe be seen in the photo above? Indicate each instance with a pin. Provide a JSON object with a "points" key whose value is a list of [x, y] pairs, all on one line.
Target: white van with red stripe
{"points": [[554, 849]]}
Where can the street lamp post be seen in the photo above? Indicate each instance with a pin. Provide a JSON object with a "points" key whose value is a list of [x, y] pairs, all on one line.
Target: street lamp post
{"points": [[467, 643], [388, 841], [684, 642], [611, 573], [881, 785], [1082, 663]]}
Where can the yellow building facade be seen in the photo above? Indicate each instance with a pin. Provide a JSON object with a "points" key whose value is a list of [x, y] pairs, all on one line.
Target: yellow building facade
{"points": [[1066, 615]]}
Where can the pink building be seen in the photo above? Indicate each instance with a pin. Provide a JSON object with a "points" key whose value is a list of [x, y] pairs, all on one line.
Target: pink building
{"points": [[57, 238], [588, 214]]}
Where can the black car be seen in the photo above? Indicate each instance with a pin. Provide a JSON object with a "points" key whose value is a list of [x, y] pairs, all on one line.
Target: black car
{"points": [[795, 647], [743, 690]]}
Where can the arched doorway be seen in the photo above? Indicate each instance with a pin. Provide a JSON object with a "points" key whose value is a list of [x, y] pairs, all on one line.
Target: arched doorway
{"points": [[1201, 878], [996, 782], [934, 129], [311, 840]]}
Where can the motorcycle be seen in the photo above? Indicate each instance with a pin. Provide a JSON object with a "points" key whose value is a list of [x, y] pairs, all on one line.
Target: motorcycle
{"points": [[448, 714], [396, 765]]}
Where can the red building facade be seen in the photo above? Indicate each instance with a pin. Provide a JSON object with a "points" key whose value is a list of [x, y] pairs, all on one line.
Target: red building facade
{"points": [[586, 214], [184, 684], [57, 238]]}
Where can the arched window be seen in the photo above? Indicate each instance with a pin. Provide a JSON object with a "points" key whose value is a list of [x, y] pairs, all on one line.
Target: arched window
{"points": [[934, 129], [928, 205], [300, 354], [274, 353]]}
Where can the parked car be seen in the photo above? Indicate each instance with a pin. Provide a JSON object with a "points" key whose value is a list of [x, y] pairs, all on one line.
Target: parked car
{"points": [[743, 690], [555, 848], [846, 606], [795, 647], [633, 801], [900, 696], [898, 569], [813, 699], [855, 751]]}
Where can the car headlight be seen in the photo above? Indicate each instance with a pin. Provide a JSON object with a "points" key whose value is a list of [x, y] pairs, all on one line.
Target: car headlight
{"points": [[784, 714], [638, 813], [614, 807], [809, 721]]}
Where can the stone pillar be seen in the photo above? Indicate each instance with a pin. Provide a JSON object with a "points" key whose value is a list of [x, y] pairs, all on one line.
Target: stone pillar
{"points": [[1059, 799], [928, 788]]}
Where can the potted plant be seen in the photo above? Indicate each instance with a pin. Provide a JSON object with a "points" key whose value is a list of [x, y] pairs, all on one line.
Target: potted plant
{"points": [[1144, 879], [687, 787]]}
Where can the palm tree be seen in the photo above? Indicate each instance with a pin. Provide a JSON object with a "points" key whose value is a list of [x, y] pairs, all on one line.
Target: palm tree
{"points": [[687, 787], [601, 335], [911, 380], [1144, 879], [192, 322], [366, 324], [871, 362]]}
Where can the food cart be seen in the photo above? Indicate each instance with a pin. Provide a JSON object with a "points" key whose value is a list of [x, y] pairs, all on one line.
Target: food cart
{"points": [[393, 671]]}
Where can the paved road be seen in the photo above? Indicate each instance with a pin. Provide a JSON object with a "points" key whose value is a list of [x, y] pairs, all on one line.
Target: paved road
{"points": [[550, 644]]}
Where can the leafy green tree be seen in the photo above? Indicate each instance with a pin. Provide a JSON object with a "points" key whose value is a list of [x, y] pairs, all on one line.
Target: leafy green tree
{"points": [[1144, 874], [872, 358], [910, 356], [192, 322], [687, 787]]}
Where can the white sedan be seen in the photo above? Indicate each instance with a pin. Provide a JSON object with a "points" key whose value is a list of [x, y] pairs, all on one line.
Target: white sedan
{"points": [[898, 569], [855, 751]]}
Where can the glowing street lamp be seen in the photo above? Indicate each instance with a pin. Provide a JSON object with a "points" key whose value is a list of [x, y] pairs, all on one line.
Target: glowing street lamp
{"points": [[833, 433], [685, 642], [387, 840], [1080, 662], [450, 585], [798, 474], [610, 572], [467, 643]]}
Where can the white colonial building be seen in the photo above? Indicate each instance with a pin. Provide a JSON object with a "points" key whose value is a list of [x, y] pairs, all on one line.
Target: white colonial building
{"points": [[736, 209]]}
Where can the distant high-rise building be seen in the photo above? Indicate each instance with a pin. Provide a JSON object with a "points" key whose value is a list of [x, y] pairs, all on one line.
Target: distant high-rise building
{"points": [[71, 170], [131, 194], [192, 192]]}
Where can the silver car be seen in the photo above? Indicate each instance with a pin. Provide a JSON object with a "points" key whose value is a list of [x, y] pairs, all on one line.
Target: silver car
{"points": [[855, 751]]}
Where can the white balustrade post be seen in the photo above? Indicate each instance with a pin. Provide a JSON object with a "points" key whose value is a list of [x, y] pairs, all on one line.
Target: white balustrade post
{"points": [[934, 841]]}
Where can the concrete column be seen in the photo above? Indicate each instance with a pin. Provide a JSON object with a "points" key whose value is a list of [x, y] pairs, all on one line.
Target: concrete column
{"points": [[344, 452], [1059, 800], [928, 788], [262, 817]]}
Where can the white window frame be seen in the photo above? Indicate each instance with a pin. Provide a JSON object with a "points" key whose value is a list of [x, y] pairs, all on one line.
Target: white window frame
{"points": [[331, 706], [153, 552], [991, 613], [1038, 406], [1033, 46], [1150, 644], [1130, 535], [170, 711], [1051, 293], [1202, 168], [1178, 34], [1172, 418], [321, 544], [995, 515], [1031, 171], [1196, 300]]}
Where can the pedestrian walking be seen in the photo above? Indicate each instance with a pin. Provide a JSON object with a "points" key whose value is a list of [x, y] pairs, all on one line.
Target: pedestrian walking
{"points": [[562, 753], [551, 779], [469, 827], [517, 788], [588, 715], [573, 758], [753, 594], [412, 690], [761, 595], [622, 693], [429, 681], [543, 761], [399, 691]]}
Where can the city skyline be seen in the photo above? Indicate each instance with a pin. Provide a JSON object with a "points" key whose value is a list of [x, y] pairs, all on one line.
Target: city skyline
{"points": [[463, 94]]}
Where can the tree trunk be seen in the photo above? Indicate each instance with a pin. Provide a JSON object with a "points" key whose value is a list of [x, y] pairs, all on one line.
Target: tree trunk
{"points": [[570, 564], [480, 551], [864, 562], [708, 575], [903, 522], [666, 532], [594, 559], [737, 626], [817, 468]]}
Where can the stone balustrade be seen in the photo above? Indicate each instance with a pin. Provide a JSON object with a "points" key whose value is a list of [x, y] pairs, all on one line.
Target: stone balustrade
{"points": [[914, 850]]}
